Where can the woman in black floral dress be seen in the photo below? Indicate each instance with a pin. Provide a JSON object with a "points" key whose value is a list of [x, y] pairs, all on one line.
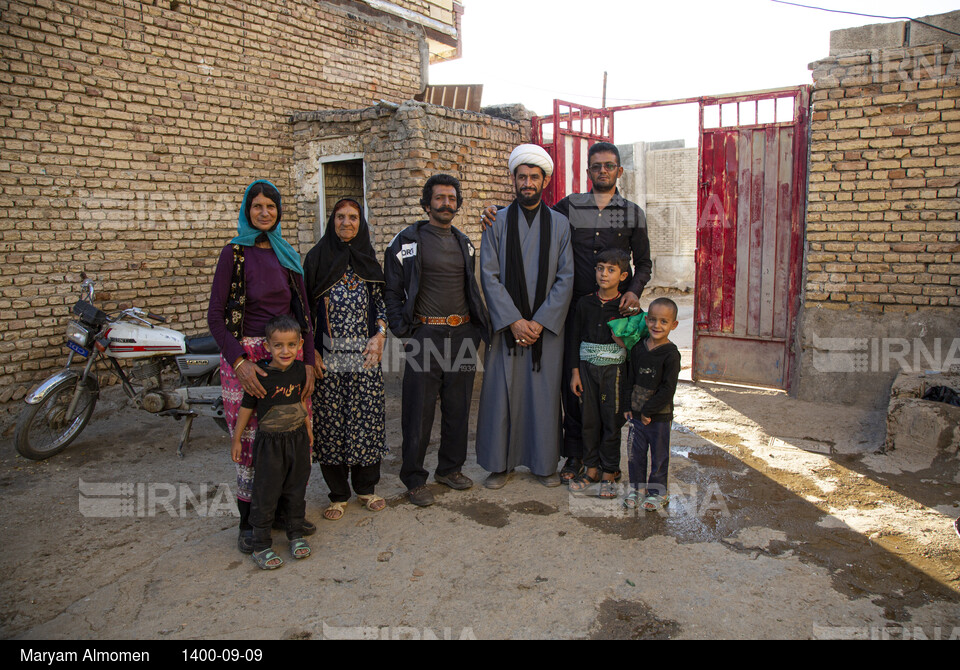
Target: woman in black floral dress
{"points": [[345, 283]]}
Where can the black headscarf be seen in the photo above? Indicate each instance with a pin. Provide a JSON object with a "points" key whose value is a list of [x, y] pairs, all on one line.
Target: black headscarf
{"points": [[515, 279], [326, 263]]}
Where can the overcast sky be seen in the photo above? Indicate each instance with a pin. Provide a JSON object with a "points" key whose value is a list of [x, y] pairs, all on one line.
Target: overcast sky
{"points": [[532, 51]]}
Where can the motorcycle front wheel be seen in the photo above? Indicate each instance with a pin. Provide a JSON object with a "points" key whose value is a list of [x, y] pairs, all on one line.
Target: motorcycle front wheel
{"points": [[44, 429]]}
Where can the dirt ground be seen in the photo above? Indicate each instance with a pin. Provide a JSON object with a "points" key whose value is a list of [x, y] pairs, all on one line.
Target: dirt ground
{"points": [[784, 523]]}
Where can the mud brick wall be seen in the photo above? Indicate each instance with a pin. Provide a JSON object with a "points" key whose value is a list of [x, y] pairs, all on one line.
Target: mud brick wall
{"points": [[128, 131], [882, 219], [882, 253], [401, 148]]}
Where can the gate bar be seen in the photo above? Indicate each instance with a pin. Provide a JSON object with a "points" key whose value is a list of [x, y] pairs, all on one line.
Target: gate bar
{"points": [[711, 99]]}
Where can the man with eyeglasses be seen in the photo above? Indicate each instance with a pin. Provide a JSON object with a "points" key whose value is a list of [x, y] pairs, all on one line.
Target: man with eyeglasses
{"points": [[601, 219]]}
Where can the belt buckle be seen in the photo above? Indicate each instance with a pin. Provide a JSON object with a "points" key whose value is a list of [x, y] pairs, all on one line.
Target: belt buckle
{"points": [[454, 320]]}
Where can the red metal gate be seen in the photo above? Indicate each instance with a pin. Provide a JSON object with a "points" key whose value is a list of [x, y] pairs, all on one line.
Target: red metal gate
{"points": [[567, 135], [750, 209], [749, 236]]}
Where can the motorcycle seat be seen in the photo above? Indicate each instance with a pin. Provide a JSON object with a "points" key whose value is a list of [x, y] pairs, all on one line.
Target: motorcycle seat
{"points": [[202, 345]]}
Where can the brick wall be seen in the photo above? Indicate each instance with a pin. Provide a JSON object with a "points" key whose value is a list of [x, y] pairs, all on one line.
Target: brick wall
{"points": [[882, 256], [128, 131], [401, 148], [882, 220]]}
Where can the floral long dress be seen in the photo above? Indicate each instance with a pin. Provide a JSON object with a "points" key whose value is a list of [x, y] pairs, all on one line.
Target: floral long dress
{"points": [[348, 403]]}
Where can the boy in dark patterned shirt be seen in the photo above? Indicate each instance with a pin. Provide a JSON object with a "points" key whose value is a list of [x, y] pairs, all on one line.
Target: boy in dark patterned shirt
{"points": [[281, 449], [597, 375], [654, 370]]}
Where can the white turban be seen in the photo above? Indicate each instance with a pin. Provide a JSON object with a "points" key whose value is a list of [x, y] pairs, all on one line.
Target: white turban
{"points": [[531, 154]]}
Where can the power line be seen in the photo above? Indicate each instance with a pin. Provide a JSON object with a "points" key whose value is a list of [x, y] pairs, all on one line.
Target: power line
{"points": [[870, 16]]}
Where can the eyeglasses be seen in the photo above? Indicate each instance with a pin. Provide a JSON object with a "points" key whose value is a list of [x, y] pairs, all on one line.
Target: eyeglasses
{"points": [[598, 167]]}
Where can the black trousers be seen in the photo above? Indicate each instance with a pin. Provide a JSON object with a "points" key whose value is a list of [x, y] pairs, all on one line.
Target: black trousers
{"points": [[282, 465], [439, 361], [338, 477], [572, 422], [652, 439], [601, 415]]}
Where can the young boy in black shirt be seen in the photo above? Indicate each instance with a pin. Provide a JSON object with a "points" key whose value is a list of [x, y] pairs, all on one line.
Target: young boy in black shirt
{"points": [[598, 375], [654, 369], [281, 449]]}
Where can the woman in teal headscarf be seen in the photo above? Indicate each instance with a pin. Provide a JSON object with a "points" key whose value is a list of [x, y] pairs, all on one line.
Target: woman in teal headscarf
{"points": [[258, 277]]}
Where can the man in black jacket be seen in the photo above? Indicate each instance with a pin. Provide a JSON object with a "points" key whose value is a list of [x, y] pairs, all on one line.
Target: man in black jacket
{"points": [[433, 301]]}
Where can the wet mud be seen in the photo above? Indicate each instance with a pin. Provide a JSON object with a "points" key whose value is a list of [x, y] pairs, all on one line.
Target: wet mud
{"points": [[631, 620], [718, 489], [482, 512]]}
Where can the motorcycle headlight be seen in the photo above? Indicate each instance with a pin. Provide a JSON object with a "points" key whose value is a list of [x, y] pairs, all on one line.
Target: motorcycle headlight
{"points": [[78, 334]]}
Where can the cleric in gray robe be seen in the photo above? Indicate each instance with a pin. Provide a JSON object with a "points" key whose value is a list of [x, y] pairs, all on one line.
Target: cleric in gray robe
{"points": [[526, 271]]}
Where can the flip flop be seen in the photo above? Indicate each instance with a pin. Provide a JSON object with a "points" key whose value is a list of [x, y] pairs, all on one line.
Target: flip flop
{"points": [[297, 548], [655, 503], [265, 559], [369, 501], [336, 508], [632, 501]]}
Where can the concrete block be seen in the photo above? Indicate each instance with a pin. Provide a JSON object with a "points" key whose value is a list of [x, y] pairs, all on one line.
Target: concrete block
{"points": [[855, 360], [923, 429]]}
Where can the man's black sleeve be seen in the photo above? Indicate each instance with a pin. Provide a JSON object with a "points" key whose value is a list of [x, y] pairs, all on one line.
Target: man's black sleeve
{"points": [[563, 206], [640, 247], [394, 294]]}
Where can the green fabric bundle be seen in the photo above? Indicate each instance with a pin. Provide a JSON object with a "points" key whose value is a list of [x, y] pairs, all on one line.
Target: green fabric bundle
{"points": [[630, 329]]}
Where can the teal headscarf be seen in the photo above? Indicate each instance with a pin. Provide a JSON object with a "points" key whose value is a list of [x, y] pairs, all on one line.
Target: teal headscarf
{"points": [[247, 234]]}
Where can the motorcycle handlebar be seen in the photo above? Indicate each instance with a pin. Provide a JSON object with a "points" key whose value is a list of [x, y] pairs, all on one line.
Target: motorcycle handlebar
{"points": [[138, 313]]}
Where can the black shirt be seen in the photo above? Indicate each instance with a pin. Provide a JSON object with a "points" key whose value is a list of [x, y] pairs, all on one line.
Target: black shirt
{"points": [[621, 224], [531, 214], [281, 410], [653, 379], [591, 317]]}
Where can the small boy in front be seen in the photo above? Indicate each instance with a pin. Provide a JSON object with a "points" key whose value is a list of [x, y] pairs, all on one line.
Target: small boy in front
{"points": [[281, 449], [598, 375], [654, 369]]}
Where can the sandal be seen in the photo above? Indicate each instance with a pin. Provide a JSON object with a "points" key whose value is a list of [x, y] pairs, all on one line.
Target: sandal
{"points": [[267, 559], [572, 469], [582, 482], [370, 502], [655, 503], [608, 489], [334, 511], [299, 548], [632, 501]]}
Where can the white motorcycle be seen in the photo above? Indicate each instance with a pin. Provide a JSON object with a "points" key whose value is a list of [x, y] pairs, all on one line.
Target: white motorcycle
{"points": [[170, 375]]}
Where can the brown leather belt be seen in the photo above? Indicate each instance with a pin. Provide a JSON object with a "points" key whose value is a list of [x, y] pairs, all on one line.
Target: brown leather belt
{"points": [[452, 320]]}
